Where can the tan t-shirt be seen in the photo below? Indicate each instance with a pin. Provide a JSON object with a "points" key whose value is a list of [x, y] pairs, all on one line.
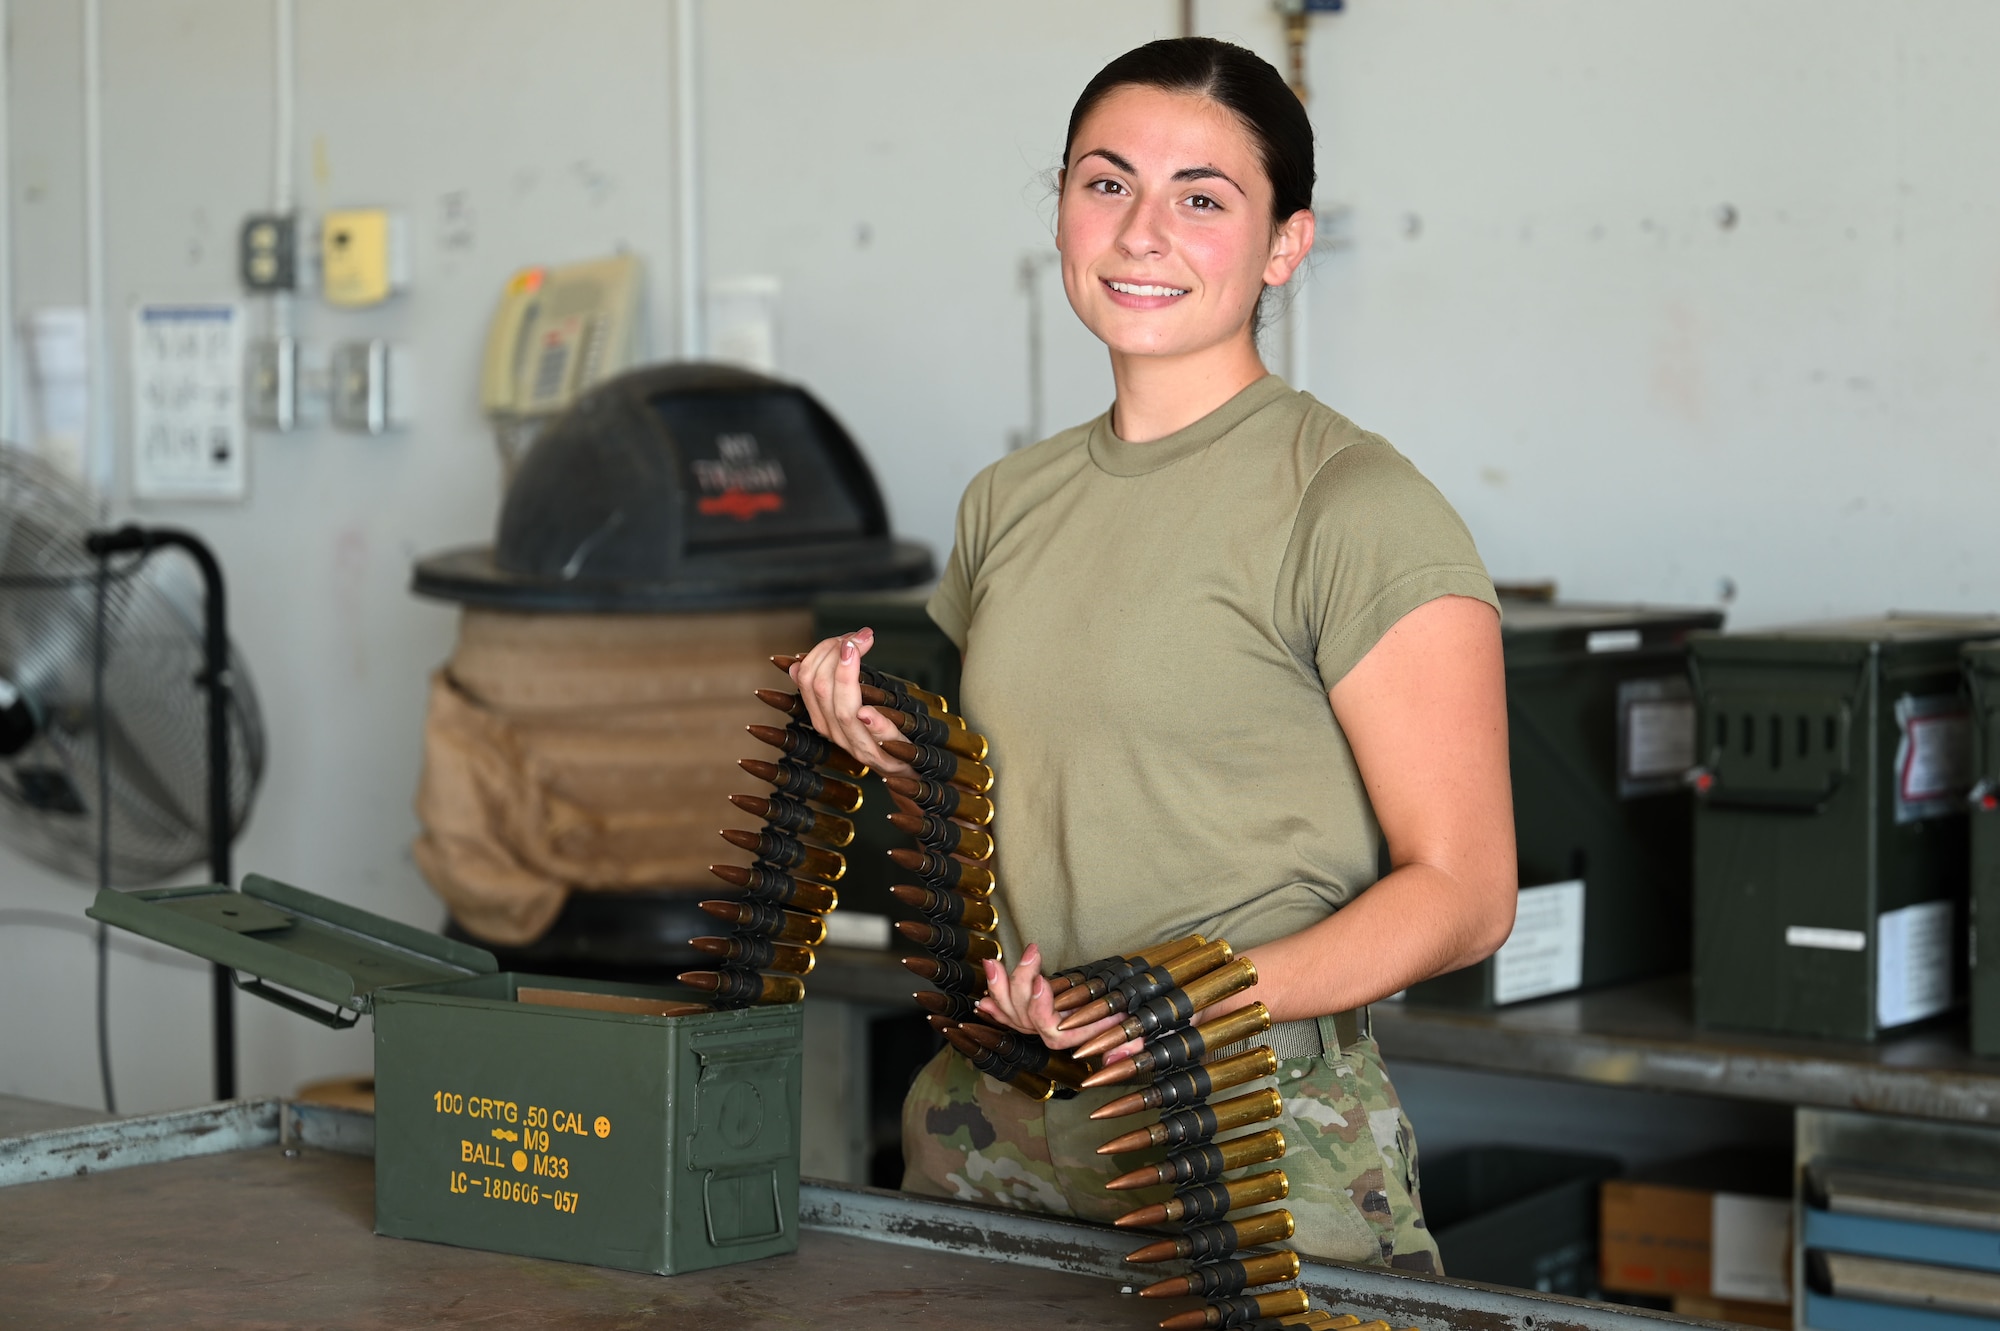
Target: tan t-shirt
{"points": [[1150, 631]]}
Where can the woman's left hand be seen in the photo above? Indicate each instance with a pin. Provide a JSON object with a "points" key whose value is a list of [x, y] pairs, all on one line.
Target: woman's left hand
{"points": [[1021, 1000]]}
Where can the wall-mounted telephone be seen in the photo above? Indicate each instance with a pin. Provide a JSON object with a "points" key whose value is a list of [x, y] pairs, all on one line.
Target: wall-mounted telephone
{"points": [[557, 332]]}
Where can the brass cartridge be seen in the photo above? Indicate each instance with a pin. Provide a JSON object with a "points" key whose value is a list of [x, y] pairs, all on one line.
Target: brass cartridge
{"points": [[1029, 1053], [746, 988], [757, 954], [1210, 1201], [1203, 1243], [1099, 976], [788, 852], [1222, 1279], [1190, 1084], [940, 765], [952, 1006], [1198, 1123], [947, 941], [803, 783], [942, 798], [796, 818], [944, 836], [762, 920], [958, 977], [1178, 1048], [949, 907], [1176, 1007], [809, 747], [1231, 1312], [923, 728], [1200, 1164], [760, 882], [942, 871], [1145, 985]]}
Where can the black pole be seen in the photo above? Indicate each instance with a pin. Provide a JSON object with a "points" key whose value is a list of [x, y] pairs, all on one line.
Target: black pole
{"points": [[214, 678]]}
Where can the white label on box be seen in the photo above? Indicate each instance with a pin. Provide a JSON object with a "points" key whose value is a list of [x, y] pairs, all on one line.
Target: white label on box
{"points": [[1750, 1248], [187, 407], [1612, 640], [1933, 756], [1656, 735], [856, 928], [1544, 954], [1832, 940], [1913, 963]]}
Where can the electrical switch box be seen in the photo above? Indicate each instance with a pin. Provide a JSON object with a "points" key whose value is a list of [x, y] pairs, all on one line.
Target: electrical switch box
{"points": [[363, 256], [267, 252], [271, 383], [1830, 836], [369, 388]]}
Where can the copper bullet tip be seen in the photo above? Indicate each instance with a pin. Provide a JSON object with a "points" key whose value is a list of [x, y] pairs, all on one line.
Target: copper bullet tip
{"points": [[723, 910], [1136, 1140], [734, 874], [788, 703], [707, 980], [1099, 1045], [908, 823], [1119, 1108], [754, 805], [1082, 1014], [1143, 1177], [715, 947], [1143, 1218], [1173, 1287], [909, 896], [736, 836], [985, 1035], [1163, 1251], [1112, 1074], [785, 662]]}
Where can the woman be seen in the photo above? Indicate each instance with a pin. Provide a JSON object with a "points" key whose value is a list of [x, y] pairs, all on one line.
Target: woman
{"points": [[1228, 648]]}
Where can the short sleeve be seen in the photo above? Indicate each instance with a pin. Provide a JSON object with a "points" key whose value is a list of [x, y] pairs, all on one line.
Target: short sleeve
{"points": [[950, 606], [1372, 541]]}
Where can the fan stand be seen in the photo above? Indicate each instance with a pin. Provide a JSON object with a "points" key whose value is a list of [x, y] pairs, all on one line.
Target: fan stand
{"points": [[214, 677]]}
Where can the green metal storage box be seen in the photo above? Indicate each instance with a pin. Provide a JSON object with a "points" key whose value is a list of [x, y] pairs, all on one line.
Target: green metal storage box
{"points": [[1600, 725], [908, 643], [1830, 841], [1982, 681], [642, 1132]]}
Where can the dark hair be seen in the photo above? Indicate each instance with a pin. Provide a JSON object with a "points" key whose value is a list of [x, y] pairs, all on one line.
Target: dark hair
{"points": [[1239, 79]]}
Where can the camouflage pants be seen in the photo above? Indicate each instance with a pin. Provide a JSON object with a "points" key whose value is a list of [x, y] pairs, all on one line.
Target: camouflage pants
{"points": [[1351, 1157]]}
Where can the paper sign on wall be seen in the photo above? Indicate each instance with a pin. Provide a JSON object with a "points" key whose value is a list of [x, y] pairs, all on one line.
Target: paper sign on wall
{"points": [[187, 401], [1544, 954]]}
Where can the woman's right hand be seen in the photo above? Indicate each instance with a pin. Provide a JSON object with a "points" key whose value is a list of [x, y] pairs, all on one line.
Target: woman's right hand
{"points": [[829, 679]]}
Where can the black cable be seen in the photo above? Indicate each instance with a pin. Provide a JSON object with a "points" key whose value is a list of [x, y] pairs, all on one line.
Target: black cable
{"points": [[103, 835]]}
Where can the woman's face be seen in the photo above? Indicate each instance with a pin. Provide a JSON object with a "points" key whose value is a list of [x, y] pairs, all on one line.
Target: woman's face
{"points": [[1164, 224]]}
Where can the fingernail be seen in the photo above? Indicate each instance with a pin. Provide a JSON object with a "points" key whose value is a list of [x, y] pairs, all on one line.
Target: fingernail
{"points": [[847, 649]]}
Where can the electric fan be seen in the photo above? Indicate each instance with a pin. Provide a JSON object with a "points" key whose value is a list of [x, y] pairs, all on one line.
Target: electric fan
{"points": [[114, 766]]}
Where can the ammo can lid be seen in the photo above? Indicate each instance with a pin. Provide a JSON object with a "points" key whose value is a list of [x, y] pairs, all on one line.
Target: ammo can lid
{"points": [[289, 937], [1916, 636], [1596, 627]]}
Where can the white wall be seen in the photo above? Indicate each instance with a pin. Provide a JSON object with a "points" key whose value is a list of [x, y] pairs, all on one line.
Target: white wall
{"points": [[1541, 305]]}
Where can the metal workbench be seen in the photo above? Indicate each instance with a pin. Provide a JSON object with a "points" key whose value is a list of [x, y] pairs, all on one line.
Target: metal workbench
{"points": [[1641, 1036], [256, 1214]]}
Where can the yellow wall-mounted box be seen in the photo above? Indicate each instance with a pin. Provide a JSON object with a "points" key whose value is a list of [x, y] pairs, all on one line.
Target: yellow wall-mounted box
{"points": [[363, 256]]}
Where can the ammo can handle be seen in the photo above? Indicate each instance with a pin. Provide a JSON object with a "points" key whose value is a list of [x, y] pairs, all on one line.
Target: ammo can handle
{"points": [[337, 1018]]}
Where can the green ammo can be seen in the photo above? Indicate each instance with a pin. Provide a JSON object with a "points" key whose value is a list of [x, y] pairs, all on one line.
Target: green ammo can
{"points": [[909, 644], [1830, 841], [1600, 723], [1982, 681], [578, 1120]]}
